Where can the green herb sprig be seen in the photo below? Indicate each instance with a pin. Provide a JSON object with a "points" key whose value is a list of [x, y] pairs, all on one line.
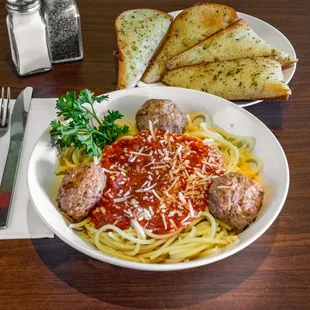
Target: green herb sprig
{"points": [[78, 129]]}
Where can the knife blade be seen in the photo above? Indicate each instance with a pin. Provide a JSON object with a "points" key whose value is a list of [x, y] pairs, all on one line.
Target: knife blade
{"points": [[16, 130]]}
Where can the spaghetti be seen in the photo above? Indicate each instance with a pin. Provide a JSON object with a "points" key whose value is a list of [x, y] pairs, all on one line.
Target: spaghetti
{"points": [[185, 230]]}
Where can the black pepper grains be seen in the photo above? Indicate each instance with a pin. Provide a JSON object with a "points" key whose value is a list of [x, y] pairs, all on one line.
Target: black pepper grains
{"points": [[64, 30]]}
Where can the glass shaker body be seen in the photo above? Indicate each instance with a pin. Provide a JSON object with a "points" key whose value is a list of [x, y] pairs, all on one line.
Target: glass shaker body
{"points": [[64, 30], [28, 41]]}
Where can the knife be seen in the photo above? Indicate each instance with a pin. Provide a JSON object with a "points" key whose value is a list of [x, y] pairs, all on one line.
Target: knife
{"points": [[16, 130]]}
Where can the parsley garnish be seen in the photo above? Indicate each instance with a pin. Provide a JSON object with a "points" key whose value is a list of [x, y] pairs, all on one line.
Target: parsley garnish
{"points": [[79, 130]]}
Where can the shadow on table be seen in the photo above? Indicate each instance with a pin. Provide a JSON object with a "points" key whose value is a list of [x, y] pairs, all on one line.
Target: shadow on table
{"points": [[149, 290], [270, 113]]}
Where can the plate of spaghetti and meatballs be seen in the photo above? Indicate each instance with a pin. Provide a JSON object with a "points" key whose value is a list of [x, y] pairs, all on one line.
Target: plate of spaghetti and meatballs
{"points": [[157, 178]]}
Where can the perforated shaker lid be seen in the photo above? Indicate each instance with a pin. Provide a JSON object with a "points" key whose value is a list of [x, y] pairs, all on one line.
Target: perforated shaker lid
{"points": [[22, 5]]}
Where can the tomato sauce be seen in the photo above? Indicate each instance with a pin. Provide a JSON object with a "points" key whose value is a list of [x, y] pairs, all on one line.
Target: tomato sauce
{"points": [[160, 179]]}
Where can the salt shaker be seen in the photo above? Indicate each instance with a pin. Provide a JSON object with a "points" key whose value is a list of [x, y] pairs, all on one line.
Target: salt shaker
{"points": [[64, 30], [28, 36]]}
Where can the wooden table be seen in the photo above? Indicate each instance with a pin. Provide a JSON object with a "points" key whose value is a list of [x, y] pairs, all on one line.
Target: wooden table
{"points": [[272, 273]]}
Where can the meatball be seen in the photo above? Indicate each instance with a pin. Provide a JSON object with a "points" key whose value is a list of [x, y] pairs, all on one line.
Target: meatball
{"points": [[80, 190], [165, 115], [235, 199]]}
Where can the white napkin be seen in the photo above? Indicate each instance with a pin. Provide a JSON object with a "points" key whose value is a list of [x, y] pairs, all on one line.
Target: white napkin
{"points": [[24, 222]]}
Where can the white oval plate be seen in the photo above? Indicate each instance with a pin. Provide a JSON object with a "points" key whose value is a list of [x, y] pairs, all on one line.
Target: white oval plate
{"points": [[267, 32], [43, 184]]}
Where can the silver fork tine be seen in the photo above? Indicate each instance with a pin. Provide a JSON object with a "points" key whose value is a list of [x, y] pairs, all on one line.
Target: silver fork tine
{"points": [[6, 116], [1, 105]]}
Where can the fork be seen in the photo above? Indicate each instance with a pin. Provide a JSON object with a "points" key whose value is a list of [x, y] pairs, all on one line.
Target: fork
{"points": [[4, 111]]}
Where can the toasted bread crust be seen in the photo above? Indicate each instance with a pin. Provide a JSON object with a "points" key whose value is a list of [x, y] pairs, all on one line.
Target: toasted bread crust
{"points": [[284, 97], [176, 41]]}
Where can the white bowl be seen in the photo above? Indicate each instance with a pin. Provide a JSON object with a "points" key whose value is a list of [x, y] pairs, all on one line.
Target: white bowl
{"points": [[43, 184]]}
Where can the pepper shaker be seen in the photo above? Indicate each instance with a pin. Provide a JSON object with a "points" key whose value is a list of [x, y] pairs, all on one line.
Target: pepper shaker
{"points": [[28, 36], [64, 30]]}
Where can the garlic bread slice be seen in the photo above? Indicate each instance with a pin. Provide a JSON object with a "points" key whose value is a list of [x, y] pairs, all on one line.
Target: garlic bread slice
{"points": [[236, 41], [139, 34], [241, 79]]}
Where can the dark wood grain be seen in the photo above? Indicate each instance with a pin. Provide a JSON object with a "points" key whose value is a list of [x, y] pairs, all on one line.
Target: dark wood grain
{"points": [[272, 273]]}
